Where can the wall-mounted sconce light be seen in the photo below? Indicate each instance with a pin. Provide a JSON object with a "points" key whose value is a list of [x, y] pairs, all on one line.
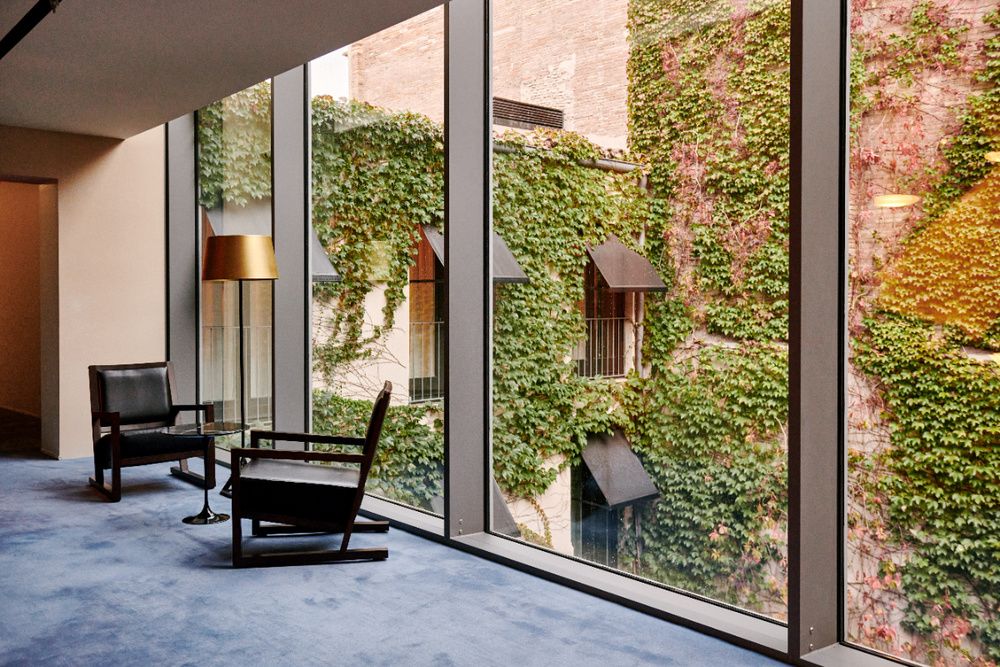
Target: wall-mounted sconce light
{"points": [[895, 200]]}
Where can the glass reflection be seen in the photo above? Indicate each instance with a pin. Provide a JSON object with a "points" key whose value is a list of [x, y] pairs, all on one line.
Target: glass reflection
{"points": [[923, 507]]}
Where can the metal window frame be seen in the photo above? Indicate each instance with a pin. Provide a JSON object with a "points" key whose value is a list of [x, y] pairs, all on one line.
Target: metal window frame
{"points": [[816, 280], [468, 288], [183, 260], [290, 220], [815, 631]]}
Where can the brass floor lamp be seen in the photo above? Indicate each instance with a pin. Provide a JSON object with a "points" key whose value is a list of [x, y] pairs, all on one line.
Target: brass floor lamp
{"points": [[240, 257]]}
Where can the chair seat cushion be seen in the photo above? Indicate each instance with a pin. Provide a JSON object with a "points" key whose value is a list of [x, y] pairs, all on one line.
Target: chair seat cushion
{"points": [[147, 443], [297, 492]]}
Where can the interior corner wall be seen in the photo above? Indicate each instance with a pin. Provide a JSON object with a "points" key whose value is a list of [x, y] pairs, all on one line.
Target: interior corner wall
{"points": [[110, 302], [48, 261], [20, 335]]}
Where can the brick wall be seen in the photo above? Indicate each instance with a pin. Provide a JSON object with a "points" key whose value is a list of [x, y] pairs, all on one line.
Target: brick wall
{"points": [[567, 54], [402, 67]]}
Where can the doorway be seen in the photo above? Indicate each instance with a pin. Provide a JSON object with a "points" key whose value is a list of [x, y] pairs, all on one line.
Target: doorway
{"points": [[29, 326]]}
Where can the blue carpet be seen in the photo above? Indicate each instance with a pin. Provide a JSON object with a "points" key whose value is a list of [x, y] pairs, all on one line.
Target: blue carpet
{"points": [[86, 582]]}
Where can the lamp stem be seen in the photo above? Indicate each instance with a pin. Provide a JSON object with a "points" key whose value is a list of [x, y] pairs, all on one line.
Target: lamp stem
{"points": [[243, 393]]}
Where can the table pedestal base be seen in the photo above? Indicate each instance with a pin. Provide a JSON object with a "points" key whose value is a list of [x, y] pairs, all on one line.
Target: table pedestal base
{"points": [[206, 515]]}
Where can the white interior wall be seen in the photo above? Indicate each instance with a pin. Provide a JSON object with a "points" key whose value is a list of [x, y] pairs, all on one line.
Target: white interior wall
{"points": [[110, 264]]}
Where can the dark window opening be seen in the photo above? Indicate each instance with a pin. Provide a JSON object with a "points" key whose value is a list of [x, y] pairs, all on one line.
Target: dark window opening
{"points": [[426, 325], [602, 352], [595, 525]]}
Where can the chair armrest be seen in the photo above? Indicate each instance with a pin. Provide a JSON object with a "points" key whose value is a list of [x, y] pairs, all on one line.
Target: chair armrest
{"points": [[114, 419], [207, 408], [257, 453], [306, 438]]}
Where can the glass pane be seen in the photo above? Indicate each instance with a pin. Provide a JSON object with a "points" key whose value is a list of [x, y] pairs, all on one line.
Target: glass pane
{"points": [[378, 195], [640, 375], [234, 196], [923, 496]]}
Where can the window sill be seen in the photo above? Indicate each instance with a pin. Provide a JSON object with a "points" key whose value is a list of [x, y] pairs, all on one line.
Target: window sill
{"points": [[404, 518], [841, 655]]}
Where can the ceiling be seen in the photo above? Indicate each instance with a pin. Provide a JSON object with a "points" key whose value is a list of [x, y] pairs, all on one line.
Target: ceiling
{"points": [[115, 68]]}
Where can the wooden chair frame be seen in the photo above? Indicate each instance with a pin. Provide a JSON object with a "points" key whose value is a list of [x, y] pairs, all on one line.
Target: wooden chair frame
{"points": [[104, 422], [290, 524]]}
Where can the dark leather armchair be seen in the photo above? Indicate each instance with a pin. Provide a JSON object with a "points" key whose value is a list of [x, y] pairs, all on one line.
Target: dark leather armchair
{"points": [[130, 404], [306, 491]]}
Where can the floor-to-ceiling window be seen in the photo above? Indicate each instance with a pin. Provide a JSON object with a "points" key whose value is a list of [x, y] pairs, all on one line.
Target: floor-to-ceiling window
{"points": [[234, 197], [640, 252], [923, 395], [640, 372], [378, 215]]}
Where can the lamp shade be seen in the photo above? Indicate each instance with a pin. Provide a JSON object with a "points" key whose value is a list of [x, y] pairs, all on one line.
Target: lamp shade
{"points": [[240, 257]]}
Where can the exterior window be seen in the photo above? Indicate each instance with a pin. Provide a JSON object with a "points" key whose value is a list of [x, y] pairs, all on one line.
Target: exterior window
{"points": [[922, 567], [595, 524], [426, 325], [377, 183], [234, 178], [602, 352], [610, 489]]}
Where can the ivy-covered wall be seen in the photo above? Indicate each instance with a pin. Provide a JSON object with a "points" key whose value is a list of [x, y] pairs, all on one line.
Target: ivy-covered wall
{"points": [[924, 468], [708, 113], [377, 176], [548, 207], [234, 148]]}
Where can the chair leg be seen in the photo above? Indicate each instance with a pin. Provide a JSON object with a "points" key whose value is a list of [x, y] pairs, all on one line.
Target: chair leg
{"points": [[237, 540], [97, 481], [278, 559], [281, 558], [116, 481], [113, 491]]}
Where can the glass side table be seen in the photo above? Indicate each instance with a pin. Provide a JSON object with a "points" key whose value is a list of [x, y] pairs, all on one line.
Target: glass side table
{"points": [[206, 430]]}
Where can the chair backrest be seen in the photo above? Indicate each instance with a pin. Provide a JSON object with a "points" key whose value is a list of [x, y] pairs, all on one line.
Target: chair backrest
{"points": [[375, 428], [140, 393]]}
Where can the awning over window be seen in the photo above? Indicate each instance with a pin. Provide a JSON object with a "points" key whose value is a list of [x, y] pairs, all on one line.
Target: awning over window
{"points": [[322, 268], [625, 270], [617, 470], [436, 239], [505, 267], [503, 520]]}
